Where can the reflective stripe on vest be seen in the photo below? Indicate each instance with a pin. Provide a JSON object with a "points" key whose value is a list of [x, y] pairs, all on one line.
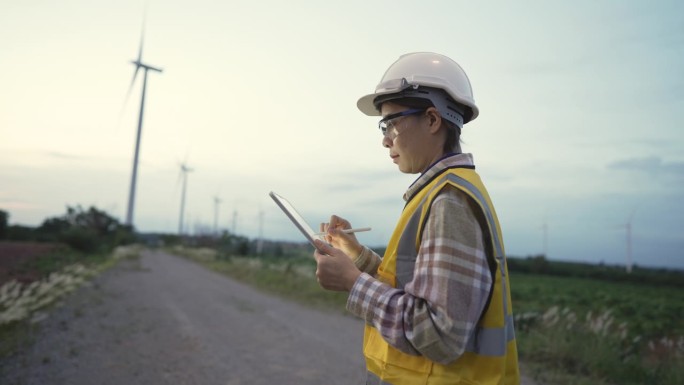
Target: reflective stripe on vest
{"points": [[484, 341]]}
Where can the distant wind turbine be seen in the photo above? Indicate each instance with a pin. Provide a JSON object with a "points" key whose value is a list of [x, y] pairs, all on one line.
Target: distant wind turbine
{"points": [[260, 242], [217, 202], [235, 218], [138, 65], [545, 238], [184, 170], [628, 240]]}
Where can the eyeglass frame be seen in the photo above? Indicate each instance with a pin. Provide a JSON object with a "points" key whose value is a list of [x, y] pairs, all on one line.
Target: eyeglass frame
{"points": [[383, 124]]}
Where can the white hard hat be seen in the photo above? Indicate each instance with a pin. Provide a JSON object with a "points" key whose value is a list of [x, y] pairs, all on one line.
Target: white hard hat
{"points": [[423, 75]]}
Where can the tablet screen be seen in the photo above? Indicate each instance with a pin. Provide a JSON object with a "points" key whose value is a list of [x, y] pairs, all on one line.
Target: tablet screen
{"points": [[296, 219]]}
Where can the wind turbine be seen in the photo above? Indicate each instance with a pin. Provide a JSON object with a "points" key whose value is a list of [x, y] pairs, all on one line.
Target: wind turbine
{"points": [[545, 241], [138, 65], [217, 202], [628, 240], [260, 242], [184, 170]]}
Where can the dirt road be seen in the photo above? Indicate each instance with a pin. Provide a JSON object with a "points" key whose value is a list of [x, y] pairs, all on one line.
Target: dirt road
{"points": [[165, 320]]}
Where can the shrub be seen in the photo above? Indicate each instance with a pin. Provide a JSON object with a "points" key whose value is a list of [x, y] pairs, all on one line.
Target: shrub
{"points": [[598, 346], [4, 221]]}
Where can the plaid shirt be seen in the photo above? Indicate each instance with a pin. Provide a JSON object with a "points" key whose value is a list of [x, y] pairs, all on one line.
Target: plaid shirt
{"points": [[435, 313]]}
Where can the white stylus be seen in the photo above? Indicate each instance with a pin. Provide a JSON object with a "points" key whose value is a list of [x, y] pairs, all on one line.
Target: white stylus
{"points": [[349, 231]]}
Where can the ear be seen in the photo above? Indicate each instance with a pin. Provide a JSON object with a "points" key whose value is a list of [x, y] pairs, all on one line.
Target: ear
{"points": [[434, 119]]}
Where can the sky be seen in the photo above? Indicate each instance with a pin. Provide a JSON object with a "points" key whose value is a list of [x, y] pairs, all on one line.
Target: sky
{"points": [[579, 134]]}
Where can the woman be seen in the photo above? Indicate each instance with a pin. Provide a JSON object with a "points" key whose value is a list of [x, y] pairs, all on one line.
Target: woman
{"points": [[437, 306]]}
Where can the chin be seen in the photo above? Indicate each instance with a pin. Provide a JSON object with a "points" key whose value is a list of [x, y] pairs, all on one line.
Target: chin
{"points": [[407, 170]]}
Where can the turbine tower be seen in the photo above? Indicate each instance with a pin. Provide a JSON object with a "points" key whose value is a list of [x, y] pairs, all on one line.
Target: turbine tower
{"points": [[138, 65], [545, 241], [260, 242], [217, 202], [185, 170], [628, 241], [235, 218]]}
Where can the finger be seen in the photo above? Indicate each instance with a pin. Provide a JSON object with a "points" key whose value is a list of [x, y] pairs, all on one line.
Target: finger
{"points": [[340, 223], [337, 222], [322, 248], [341, 235]]}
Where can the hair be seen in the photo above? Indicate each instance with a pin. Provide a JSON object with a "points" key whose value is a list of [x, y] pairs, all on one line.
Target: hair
{"points": [[453, 138]]}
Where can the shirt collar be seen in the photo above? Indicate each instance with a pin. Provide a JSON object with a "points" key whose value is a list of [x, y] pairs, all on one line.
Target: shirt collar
{"points": [[449, 160]]}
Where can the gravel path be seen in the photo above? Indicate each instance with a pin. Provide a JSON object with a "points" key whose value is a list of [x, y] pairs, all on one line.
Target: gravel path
{"points": [[165, 320]]}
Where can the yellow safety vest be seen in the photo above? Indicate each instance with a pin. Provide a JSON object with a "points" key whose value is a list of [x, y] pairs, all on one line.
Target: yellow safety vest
{"points": [[491, 355]]}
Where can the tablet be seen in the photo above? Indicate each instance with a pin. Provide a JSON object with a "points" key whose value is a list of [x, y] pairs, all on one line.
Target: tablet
{"points": [[296, 219]]}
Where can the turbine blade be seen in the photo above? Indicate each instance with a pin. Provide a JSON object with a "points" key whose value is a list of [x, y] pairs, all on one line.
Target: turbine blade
{"points": [[128, 95], [130, 87], [140, 49], [142, 37]]}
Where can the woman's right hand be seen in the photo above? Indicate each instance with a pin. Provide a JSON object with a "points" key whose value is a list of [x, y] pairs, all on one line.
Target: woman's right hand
{"points": [[334, 236]]}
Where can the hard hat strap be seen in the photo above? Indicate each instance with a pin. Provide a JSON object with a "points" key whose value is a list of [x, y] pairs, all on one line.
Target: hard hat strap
{"points": [[447, 107]]}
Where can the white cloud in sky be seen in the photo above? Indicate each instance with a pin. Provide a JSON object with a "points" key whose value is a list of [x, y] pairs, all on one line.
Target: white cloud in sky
{"points": [[580, 114]]}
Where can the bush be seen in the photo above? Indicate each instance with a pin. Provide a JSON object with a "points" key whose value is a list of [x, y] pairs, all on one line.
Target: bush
{"points": [[88, 231], [20, 233], [80, 239], [4, 220]]}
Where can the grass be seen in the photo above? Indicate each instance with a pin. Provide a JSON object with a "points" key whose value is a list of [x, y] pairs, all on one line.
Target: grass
{"points": [[649, 310], [575, 330]]}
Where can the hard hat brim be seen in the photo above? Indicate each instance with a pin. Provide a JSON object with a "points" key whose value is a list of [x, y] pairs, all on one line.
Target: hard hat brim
{"points": [[365, 104]]}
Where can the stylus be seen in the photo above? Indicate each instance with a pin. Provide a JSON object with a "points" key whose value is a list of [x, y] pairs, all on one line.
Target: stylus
{"points": [[349, 231]]}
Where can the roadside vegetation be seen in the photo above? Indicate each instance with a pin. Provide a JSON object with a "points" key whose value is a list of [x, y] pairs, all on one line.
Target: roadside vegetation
{"points": [[41, 266], [600, 332], [581, 325]]}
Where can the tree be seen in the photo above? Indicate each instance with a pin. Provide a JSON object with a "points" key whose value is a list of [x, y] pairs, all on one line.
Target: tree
{"points": [[86, 230], [539, 264], [4, 221]]}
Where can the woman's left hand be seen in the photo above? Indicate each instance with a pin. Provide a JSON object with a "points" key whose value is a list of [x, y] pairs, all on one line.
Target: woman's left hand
{"points": [[335, 270]]}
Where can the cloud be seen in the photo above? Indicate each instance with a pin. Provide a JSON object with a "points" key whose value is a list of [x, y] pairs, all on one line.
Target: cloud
{"points": [[651, 164], [62, 155]]}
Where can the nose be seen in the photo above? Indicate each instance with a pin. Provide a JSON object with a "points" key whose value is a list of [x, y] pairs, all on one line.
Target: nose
{"points": [[386, 141]]}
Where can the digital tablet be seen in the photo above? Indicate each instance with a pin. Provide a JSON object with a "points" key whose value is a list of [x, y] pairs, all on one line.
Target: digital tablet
{"points": [[297, 219]]}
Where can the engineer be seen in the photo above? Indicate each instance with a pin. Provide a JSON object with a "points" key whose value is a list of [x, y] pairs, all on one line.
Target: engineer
{"points": [[437, 306]]}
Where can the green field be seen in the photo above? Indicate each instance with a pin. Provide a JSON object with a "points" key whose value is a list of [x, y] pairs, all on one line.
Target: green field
{"points": [[587, 331], [649, 311]]}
